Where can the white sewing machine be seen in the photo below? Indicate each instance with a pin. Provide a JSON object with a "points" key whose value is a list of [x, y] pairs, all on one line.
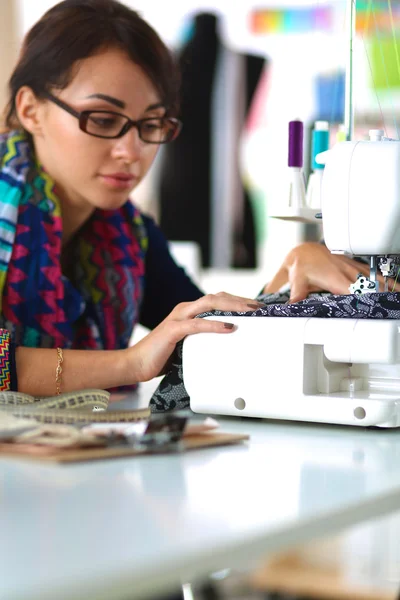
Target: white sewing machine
{"points": [[344, 371]]}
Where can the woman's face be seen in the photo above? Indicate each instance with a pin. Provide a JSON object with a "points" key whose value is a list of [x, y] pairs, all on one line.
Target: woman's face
{"points": [[91, 172]]}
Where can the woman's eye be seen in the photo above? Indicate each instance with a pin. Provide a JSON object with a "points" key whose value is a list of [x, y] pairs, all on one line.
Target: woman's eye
{"points": [[152, 126], [103, 122]]}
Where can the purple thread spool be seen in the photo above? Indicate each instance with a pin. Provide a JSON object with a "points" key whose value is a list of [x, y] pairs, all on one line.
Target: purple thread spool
{"points": [[295, 158]]}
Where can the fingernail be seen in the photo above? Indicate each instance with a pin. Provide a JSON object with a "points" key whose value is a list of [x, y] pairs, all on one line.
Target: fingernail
{"points": [[229, 325], [255, 306]]}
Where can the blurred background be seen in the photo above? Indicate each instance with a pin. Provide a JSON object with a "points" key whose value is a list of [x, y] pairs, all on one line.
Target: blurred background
{"points": [[248, 69]]}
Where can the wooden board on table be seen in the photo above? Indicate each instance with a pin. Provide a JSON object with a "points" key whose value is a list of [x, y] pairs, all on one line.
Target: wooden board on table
{"points": [[288, 574], [56, 455]]}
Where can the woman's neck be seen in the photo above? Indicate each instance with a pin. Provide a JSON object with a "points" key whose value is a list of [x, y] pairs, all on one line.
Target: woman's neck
{"points": [[73, 218], [75, 210]]}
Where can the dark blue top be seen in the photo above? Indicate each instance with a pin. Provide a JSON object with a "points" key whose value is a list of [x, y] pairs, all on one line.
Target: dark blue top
{"points": [[166, 284]]}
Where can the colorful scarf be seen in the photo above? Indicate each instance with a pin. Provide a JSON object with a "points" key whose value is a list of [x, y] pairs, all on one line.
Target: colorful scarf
{"points": [[99, 305]]}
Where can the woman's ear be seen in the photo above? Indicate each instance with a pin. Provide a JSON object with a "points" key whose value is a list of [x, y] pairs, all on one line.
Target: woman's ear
{"points": [[29, 110]]}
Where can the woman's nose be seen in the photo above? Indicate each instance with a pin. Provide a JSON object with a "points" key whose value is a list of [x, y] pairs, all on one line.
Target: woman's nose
{"points": [[129, 147]]}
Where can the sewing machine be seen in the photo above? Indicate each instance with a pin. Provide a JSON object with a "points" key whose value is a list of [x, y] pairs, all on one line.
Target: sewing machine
{"points": [[344, 371]]}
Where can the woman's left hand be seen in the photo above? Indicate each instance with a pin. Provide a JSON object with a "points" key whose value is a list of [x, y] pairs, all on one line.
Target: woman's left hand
{"points": [[149, 357]]}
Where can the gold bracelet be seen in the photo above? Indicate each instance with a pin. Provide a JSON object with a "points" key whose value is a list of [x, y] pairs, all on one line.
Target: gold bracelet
{"points": [[60, 360]]}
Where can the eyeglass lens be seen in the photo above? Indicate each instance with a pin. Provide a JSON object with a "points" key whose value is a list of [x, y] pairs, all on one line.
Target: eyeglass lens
{"points": [[107, 124]]}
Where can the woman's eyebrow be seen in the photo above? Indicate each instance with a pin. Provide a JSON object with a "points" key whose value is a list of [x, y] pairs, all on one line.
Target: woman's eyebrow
{"points": [[154, 106], [122, 104], [110, 99]]}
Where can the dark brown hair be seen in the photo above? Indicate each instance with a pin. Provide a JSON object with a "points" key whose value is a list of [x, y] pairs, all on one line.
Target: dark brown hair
{"points": [[76, 29]]}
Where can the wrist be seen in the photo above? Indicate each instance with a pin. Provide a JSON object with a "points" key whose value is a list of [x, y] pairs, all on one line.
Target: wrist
{"points": [[129, 366]]}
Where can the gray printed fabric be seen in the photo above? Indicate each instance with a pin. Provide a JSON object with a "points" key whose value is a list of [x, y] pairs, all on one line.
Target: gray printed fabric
{"points": [[171, 393]]}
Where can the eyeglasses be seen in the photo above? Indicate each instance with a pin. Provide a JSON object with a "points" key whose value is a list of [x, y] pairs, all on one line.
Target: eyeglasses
{"points": [[112, 125]]}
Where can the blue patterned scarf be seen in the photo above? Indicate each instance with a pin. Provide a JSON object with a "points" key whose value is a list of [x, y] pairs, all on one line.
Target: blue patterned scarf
{"points": [[97, 304]]}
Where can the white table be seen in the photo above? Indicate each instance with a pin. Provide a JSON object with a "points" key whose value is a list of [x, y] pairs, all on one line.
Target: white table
{"points": [[134, 527]]}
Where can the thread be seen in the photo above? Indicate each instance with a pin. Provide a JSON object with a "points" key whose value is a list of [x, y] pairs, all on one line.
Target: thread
{"points": [[341, 133], [320, 142], [295, 157]]}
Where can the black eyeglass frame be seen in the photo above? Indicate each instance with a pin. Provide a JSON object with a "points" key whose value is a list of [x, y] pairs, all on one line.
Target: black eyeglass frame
{"points": [[83, 117]]}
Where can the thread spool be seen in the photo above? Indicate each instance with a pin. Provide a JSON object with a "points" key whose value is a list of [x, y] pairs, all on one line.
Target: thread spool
{"points": [[320, 142], [341, 135], [296, 130]]}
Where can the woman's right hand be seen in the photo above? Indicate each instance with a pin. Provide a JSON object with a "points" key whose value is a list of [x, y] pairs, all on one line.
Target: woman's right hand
{"points": [[150, 356], [310, 267]]}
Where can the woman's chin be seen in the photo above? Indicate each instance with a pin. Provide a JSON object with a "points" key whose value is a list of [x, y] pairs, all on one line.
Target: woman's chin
{"points": [[109, 200], [111, 204]]}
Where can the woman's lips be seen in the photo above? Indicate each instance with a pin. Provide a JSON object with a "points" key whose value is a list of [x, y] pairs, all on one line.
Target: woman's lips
{"points": [[120, 181]]}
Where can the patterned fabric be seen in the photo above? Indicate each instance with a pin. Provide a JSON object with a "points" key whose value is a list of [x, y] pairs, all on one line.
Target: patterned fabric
{"points": [[171, 393], [98, 305], [5, 366]]}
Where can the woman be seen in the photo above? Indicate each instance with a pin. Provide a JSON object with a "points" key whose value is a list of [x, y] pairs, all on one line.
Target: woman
{"points": [[92, 97]]}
